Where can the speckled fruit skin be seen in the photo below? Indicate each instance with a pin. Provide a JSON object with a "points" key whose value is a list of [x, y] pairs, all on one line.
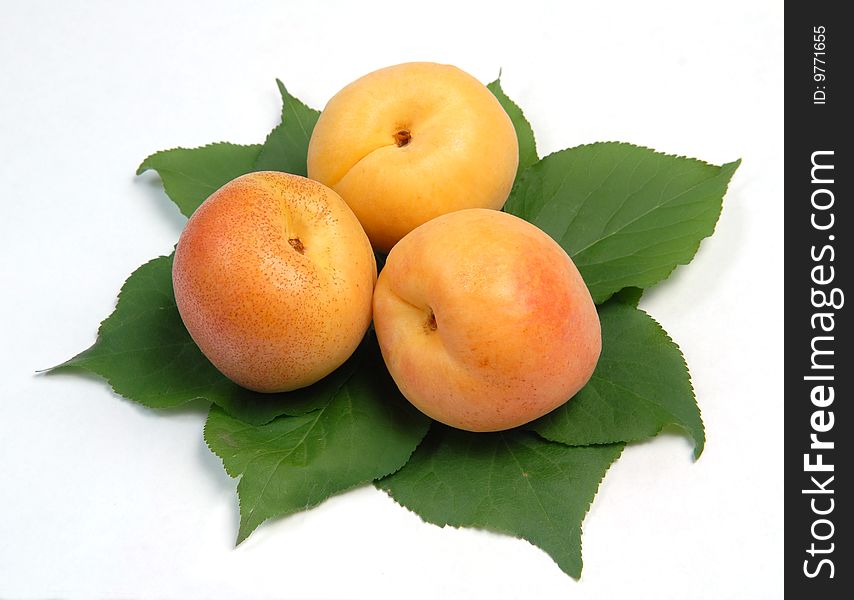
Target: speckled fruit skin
{"points": [[273, 278], [408, 143], [484, 321]]}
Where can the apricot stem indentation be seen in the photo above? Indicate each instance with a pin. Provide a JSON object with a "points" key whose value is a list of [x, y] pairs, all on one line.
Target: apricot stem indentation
{"points": [[402, 137]]}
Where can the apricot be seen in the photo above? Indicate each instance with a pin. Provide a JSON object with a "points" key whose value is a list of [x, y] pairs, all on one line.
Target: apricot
{"points": [[484, 321], [273, 277], [408, 143]]}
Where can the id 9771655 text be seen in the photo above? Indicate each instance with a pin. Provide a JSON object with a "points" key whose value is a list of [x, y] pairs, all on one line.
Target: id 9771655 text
{"points": [[819, 64]]}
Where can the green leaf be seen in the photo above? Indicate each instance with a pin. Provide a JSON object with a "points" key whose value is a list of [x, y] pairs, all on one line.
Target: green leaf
{"points": [[286, 147], [524, 133], [146, 354], [190, 175], [629, 295], [510, 482], [367, 431], [640, 384], [626, 215]]}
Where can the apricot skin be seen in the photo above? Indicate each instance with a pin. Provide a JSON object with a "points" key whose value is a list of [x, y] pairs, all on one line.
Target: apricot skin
{"points": [[408, 143], [484, 322], [273, 277]]}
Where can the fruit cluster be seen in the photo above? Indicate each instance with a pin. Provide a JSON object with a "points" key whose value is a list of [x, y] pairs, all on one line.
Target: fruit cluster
{"points": [[483, 320]]}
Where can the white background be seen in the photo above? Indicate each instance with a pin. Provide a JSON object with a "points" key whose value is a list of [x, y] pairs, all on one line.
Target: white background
{"points": [[101, 498]]}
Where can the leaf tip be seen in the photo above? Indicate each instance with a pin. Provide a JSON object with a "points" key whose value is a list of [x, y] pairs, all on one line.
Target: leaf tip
{"points": [[241, 536], [76, 362], [731, 167], [54, 368], [282, 89], [143, 166], [699, 446]]}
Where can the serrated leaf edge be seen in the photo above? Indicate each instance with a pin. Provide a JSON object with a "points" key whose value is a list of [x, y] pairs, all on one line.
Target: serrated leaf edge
{"points": [[499, 531], [694, 248], [527, 121], [241, 538], [70, 364], [699, 444], [143, 167], [734, 163]]}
